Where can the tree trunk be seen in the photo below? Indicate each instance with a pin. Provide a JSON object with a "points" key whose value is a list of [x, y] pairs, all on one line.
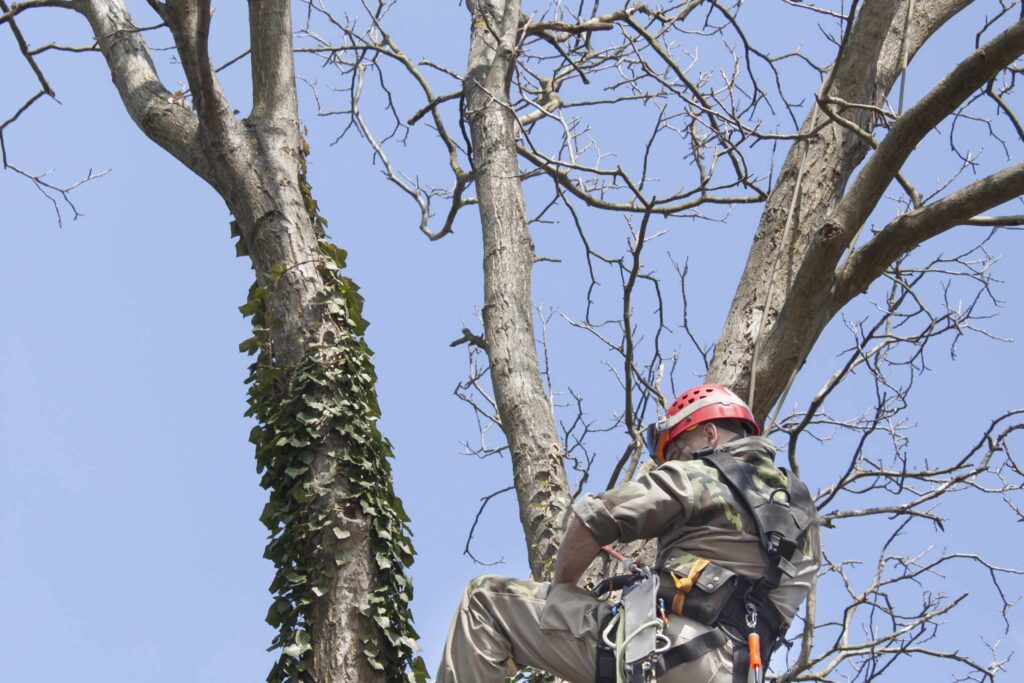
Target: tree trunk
{"points": [[526, 416], [339, 539], [867, 68]]}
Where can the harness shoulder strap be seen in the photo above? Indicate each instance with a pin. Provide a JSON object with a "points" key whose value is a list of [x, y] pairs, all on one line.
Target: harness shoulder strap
{"points": [[780, 523], [781, 520], [800, 502]]}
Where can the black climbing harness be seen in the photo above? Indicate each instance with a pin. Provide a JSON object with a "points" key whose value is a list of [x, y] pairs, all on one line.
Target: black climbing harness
{"points": [[738, 609]]}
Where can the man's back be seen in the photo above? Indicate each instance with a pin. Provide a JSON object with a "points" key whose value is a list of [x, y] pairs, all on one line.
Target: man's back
{"points": [[694, 514]]}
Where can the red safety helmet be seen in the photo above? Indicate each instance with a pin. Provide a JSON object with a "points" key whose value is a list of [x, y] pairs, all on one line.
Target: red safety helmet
{"points": [[694, 407]]}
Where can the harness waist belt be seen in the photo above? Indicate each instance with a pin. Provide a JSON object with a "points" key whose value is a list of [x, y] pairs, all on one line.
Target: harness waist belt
{"points": [[689, 651]]}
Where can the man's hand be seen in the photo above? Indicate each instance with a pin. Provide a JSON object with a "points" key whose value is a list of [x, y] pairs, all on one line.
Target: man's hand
{"points": [[577, 551]]}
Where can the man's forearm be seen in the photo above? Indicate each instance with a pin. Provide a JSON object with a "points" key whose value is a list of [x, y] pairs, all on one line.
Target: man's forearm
{"points": [[577, 551]]}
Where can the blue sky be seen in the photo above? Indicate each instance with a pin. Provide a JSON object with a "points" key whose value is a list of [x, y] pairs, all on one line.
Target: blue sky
{"points": [[129, 528]]}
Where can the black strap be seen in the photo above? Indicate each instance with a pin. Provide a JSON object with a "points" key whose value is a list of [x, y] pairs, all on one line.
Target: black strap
{"points": [[775, 520], [689, 651], [780, 525], [740, 664], [604, 670], [615, 583], [734, 619], [604, 666], [800, 501]]}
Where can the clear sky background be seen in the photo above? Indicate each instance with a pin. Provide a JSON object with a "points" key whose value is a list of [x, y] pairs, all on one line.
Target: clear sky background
{"points": [[130, 541]]}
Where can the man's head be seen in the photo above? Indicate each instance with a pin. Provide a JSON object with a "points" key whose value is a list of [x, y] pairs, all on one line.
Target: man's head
{"points": [[706, 416], [710, 434]]}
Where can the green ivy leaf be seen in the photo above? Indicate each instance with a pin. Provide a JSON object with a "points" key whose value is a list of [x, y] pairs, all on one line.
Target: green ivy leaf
{"points": [[250, 346], [334, 252], [297, 651], [418, 671], [329, 396]]}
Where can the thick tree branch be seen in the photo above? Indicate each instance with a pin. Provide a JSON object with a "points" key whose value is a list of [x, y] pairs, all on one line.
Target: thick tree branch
{"points": [[807, 306], [927, 18], [147, 101], [273, 66], [911, 229], [908, 130], [864, 72], [189, 22], [792, 209], [210, 107], [997, 221], [796, 329]]}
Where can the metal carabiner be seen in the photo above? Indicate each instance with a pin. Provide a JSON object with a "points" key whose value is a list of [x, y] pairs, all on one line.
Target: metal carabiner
{"points": [[751, 616]]}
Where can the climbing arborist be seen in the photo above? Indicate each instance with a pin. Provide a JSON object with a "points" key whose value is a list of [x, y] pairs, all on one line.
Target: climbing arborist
{"points": [[738, 549]]}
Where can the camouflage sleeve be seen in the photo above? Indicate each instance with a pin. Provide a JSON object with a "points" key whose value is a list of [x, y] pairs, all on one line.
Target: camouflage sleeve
{"points": [[638, 509]]}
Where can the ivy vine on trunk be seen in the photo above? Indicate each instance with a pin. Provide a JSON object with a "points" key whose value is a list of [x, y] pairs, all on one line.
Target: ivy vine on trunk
{"points": [[328, 398]]}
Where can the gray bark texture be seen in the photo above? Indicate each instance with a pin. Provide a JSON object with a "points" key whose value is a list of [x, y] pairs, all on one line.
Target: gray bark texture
{"points": [[793, 279], [526, 416], [254, 164]]}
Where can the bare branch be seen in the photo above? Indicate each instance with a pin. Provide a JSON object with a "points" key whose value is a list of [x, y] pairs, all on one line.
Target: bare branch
{"points": [[8, 17], [468, 337], [9, 12], [476, 520]]}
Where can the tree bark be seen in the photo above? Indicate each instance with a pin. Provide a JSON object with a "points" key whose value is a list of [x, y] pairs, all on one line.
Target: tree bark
{"points": [[797, 247], [526, 416], [255, 165]]}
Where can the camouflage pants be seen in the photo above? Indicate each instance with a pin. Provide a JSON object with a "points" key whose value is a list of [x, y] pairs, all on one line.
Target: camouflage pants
{"points": [[554, 629]]}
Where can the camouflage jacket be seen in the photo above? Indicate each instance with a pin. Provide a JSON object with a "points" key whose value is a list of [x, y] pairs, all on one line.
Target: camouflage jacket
{"points": [[693, 513]]}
